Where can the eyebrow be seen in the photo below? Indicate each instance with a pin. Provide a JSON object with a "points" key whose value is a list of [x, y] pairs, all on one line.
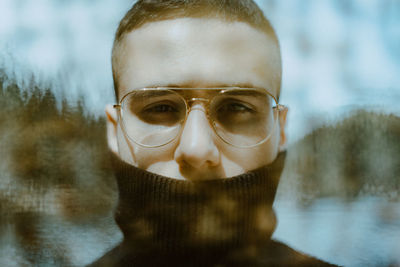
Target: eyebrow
{"points": [[190, 92], [212, 86]]}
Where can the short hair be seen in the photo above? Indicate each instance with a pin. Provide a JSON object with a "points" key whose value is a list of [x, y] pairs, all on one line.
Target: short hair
{"points": [[146, 11]]}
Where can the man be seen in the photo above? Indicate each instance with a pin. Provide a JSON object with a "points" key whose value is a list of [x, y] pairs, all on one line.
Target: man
{"points": [[198, 136]]}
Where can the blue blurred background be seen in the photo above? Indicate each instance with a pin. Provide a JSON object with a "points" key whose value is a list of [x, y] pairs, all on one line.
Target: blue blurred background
{"points": [[338, 56]]}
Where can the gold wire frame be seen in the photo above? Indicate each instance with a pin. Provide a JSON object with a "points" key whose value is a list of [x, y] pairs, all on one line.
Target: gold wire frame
{"points": [[278, 108]]}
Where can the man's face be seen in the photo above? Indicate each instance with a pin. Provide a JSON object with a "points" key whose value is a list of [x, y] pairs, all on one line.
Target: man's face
{"points": [[197, 53]]}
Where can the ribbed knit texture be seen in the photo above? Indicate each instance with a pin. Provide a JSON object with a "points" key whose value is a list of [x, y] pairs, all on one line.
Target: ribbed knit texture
{"points": [[225, 222], [208, 219]]}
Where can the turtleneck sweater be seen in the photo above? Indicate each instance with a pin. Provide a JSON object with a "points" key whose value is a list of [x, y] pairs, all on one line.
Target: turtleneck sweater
{"points": [[221, 222]]}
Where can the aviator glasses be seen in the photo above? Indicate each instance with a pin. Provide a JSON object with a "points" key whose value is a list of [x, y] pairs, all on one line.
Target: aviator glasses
{"points": [[241, 117]]}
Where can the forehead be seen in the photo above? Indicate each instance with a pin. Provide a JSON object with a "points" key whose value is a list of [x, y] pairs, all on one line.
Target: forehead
{"points": [[203, 53]]}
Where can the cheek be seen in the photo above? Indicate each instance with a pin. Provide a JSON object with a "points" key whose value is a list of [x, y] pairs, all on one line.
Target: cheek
{"points": [[124, 149], [271, 147], [147, 157], [252, 158]]}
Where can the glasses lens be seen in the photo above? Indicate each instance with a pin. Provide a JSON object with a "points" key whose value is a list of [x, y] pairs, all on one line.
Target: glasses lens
{"points": [[243, 117], [153, 117]]}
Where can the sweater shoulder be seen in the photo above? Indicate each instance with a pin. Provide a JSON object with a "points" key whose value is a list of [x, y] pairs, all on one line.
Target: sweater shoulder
{"points": [[274, 254], [280, 254]]}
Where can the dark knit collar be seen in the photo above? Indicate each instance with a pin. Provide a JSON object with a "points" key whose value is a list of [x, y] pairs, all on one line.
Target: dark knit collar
{"points": [[167, 216]]}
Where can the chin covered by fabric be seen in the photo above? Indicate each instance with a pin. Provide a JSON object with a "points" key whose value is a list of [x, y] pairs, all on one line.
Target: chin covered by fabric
{"points": [[168, 216], [223, 222]]}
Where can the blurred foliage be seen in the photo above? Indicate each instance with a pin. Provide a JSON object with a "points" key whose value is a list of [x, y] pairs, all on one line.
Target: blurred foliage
{"points": [[48, 144], [55, 167], [47, 147], [355, 157]]}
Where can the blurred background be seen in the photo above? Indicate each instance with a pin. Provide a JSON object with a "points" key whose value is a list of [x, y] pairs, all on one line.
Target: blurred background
{"points": [[337, 55], [339, 196]]}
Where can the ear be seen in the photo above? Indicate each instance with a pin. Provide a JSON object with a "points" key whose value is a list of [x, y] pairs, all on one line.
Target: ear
{"points": [[112, 127], [282, 126]]}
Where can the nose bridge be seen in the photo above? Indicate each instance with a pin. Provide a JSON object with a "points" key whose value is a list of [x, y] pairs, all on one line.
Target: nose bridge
{"points": [[197, 129], [195, 105], [196, 146]]}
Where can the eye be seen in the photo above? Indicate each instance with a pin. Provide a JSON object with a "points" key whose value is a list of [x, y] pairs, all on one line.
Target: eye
{"points": [[235, 107], [162, 113], [233, 113], [160, 108]]}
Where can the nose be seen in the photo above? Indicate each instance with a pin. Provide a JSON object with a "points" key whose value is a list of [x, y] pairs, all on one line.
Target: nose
{"points": [[196, 146]]}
